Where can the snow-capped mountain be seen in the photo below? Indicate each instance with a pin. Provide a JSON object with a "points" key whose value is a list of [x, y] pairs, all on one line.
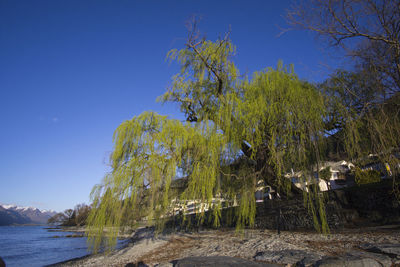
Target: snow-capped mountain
{"points": [[12, 214]]}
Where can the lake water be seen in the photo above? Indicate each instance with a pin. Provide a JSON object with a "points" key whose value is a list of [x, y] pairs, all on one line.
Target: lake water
{"points": [[36, 246]]}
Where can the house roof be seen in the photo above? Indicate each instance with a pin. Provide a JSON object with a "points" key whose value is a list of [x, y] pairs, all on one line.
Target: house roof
{"points": [[339, 166]]}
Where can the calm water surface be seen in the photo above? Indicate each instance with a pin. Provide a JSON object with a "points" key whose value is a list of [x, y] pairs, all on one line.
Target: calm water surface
{"points": [[36, 246]]}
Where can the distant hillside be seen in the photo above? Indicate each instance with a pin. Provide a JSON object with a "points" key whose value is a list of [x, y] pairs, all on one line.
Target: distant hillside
{"points": [[12, 214]]}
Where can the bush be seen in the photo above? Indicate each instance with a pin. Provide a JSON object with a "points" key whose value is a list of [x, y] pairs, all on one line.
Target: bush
{"points": [[325, 174], [366, 176]]}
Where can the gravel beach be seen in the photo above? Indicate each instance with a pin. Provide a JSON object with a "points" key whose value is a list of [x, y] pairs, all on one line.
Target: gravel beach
{"points": [[370, 245]]}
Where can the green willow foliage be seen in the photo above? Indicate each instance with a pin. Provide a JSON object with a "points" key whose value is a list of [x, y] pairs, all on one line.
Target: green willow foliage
{"points": [[148, 149], [366, 119], [239, 130]]}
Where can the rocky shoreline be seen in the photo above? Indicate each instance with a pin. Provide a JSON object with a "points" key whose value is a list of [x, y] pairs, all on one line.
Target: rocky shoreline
{"points": [[364, 223], [372, 246]]}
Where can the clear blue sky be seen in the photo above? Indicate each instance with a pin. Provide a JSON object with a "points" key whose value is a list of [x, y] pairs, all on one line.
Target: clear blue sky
{"points": [[72, 71]]}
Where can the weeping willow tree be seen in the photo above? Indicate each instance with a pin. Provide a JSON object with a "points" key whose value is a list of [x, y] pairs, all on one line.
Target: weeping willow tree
{"points": [[239, 130]]}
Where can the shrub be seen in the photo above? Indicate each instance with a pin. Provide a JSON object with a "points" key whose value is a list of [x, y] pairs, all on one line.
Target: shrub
{"points": [[366, 176], [325, 174]]}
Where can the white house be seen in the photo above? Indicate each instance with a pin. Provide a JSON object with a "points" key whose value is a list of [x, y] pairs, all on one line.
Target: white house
{"points": [[263, 191], [337, 179], [339, 173], [300, 181]]}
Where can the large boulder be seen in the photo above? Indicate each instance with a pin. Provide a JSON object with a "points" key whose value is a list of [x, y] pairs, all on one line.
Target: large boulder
{"points": [[391, 250], [221, 261], [353, 258], [383, 259], [288, 256], [348, 261]]}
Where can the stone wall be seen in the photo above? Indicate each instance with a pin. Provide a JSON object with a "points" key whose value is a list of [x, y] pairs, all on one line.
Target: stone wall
{"points": [[368, 205]]}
